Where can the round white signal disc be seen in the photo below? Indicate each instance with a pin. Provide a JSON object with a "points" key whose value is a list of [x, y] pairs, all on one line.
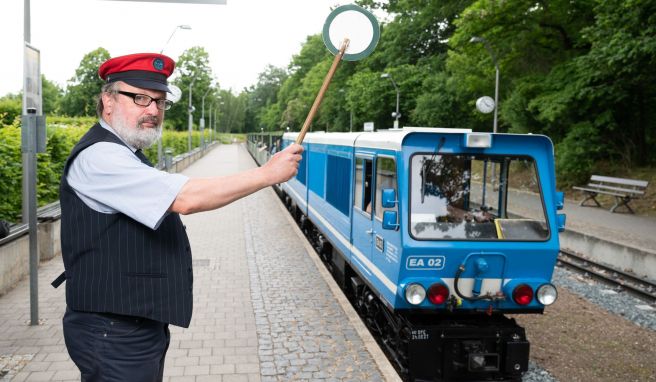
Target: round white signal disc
{"points": [[356, 24], [175, 94]]}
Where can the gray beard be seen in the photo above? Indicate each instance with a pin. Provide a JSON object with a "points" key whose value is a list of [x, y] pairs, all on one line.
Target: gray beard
{"points": [[138, 136]]}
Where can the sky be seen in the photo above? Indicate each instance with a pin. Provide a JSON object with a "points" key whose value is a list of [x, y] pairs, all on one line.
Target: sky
{"points": [[241, 37]]}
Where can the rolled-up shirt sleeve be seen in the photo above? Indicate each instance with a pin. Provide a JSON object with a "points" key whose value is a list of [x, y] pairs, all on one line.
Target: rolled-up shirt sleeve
{"points": [[109, 178]]}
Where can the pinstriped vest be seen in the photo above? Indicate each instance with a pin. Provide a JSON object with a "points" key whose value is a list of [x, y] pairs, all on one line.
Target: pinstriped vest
{"points": [[114, 264]]}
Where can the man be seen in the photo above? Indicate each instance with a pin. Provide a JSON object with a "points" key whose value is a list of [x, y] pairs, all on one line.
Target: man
{"points": [[126, 255]]}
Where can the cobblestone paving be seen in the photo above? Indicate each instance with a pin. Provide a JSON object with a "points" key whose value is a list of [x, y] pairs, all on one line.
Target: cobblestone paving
{"points": [[303, 333]]}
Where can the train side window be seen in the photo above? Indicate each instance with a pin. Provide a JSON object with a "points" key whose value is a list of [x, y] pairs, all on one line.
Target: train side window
{"points": [[363, 178], [338, 170], [385, 178]]}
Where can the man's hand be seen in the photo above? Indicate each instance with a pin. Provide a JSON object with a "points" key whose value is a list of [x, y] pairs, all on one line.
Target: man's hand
{"points": [[284, 164]]}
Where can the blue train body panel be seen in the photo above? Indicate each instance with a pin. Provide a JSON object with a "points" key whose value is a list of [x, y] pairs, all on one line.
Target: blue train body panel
{"points": [[480, 220]]}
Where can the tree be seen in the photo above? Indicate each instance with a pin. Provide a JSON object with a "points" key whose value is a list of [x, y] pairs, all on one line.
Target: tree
{"points": [[263, 109], [193, 65], [52, 95], [82, 91]]}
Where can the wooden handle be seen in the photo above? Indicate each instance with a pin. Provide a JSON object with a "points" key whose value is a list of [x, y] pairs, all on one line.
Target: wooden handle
{"points": [[324, 87]]}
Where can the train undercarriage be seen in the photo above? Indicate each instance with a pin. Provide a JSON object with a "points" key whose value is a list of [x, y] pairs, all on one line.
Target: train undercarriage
{"points": [[427, 346]]}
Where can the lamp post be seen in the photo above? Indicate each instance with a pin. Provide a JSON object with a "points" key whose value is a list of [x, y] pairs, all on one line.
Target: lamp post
{"points": [[160, 155], [396, 115], [221, 109], [486, 44], [191, 110], [185, 27], [202, 119], [211, 125]]}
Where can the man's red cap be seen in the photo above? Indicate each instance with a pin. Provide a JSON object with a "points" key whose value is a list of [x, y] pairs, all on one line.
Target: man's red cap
{"points": [[143, 70]]}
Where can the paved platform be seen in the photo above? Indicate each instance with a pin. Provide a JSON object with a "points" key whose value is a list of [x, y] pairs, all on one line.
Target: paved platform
{"points": [[263, 309]]}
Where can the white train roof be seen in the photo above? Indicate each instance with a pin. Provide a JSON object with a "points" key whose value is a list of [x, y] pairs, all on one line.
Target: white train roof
{"points": [[383, 139]]}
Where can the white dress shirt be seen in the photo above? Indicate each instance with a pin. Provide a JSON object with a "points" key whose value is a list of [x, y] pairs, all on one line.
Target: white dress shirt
{"points": [[109, 178]]}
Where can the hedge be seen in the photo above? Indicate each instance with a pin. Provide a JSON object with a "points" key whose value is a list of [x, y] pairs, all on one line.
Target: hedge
{"points": [[62, 134]]}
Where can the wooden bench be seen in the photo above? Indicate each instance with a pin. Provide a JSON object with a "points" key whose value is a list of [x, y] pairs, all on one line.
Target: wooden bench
{"points": [[624, 190]]}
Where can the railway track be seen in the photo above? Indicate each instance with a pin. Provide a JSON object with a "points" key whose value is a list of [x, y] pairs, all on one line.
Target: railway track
{"points": [[637, 286]]}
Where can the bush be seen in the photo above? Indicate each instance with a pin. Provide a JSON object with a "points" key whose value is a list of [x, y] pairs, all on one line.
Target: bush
{"points": [[10, 109], [578, 154]]}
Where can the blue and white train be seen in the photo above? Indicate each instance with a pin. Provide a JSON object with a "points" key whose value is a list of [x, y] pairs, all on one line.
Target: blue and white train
{"points": [[436, 234]]}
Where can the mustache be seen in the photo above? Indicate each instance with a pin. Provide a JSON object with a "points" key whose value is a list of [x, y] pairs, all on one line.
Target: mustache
{"points": [[149, 119]]}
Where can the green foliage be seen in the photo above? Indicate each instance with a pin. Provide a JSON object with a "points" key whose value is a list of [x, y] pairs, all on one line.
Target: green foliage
{"points": [[10, 109], [83, 89], [60, 141], [51, 96], [10, 172], [194, 67], [577, 155], [62, 134]]}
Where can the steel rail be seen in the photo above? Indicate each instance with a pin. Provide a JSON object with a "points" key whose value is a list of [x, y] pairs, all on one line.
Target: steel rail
{"points": [[633, 284]]}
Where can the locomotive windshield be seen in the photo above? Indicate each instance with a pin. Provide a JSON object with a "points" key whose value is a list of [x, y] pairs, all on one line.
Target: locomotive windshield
{"points": [[476, 197]]}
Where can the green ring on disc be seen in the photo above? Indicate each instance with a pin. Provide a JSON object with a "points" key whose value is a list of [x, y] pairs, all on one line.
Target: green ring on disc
{"points": [[351, 56]]}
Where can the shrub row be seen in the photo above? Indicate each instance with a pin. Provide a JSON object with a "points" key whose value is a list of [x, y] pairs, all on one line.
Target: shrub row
{"points": [[62, 134]]}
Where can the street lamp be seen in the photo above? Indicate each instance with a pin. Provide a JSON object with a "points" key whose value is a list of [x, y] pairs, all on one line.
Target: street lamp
{"points": [[396, 115], [185, 27], [211, 125], [191, 110], [160, 160], [202, 119], [486, 44]]}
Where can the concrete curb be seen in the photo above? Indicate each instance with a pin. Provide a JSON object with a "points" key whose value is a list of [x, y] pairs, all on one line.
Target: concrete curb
{"points": [[640, 261]]}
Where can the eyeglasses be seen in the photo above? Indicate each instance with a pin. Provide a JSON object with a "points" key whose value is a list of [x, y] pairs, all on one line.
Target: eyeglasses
{"points": [[146, 100]]}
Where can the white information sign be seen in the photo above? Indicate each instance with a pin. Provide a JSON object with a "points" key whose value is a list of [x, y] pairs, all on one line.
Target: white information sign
{"points": [[368, 126], [32, 80]]}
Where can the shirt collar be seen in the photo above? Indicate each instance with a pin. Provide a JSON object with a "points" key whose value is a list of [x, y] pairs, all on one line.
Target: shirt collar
{"points": [[106, 126]]}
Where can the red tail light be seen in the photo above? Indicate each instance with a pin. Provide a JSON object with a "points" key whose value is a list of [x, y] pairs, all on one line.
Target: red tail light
{"points": [[523, 294], [438, 294]]}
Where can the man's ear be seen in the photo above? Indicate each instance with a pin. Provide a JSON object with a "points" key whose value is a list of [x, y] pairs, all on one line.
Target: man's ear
{"points": [[108, 102]]}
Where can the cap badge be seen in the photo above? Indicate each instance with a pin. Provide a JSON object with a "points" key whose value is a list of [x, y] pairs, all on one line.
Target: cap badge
{"points": [[158, 64]]}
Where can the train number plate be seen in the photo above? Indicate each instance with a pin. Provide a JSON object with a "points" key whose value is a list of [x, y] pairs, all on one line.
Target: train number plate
{"points": [[425, 262]]}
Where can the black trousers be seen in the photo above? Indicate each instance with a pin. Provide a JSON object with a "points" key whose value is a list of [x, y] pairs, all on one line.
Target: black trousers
{"points": [[110, 347]]}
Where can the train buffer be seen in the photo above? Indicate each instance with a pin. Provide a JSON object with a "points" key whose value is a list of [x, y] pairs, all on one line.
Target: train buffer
{"points": [[624, 190]]}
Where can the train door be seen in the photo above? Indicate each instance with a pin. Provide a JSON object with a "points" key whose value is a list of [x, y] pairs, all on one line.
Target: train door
{"points": [[386, 242], [362, 230]]}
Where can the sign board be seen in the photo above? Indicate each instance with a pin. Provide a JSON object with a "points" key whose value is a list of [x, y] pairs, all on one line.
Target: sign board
{"points": [[32, 80], [368, 126]]}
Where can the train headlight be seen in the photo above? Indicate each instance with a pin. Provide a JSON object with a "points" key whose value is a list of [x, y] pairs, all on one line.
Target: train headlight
{"points": [[415, 294], [523, 294], [547, 294], [478, 140], [438, 293]]}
